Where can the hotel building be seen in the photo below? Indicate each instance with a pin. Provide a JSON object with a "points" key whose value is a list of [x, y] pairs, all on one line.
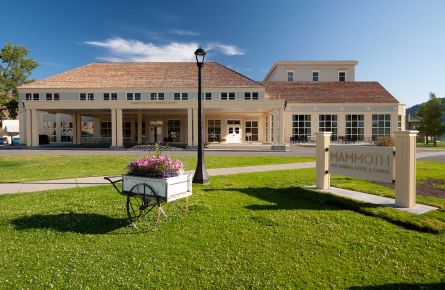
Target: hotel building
{"points": [[121, 104]]}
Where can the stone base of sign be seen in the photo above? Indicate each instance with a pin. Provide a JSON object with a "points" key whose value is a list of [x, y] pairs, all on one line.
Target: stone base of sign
{"points": [[375, 199]]}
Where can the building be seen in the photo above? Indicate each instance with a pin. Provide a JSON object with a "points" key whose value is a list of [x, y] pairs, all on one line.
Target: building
{"points": [[125, 103]]}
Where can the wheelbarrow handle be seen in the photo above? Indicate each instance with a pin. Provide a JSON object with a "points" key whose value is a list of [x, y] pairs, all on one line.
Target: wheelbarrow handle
{"points": [[113, 182]]}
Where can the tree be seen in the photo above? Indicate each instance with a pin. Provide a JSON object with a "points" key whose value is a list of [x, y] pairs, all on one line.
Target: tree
{"points": [[430, 116], [15, 69]]}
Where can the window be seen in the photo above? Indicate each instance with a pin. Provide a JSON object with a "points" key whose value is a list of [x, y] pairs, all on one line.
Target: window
{"points": [[105, 129], [35, 97], [127, 131], [49, 97], [290, 76], [223, 96], [160, 96], [381, 126], [106, 96], [341, 76], [255, 96], [233, 122], [90, 97], [328, 123], [185, 96], [354, 128], [208, 96], [137, 96], [399, 122], [28, 97], [153, 96], [231, 96], [114, 96], [83, 97], [251, 131], [56, 97], [247, 96], [174, 130], [301, 128], [213, 130], [315, 75], [177, 96], [129, 96], [52, 132]]}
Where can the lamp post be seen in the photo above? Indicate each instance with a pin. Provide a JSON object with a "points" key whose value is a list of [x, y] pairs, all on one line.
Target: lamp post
{"points": [[201, 175]]}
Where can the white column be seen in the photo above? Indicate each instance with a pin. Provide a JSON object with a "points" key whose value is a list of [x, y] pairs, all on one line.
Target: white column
{"points": [[28, 128], [281, 125], [405, 168], [139, 128], [195, 127], [276, 120], [58, 129], [35, 126], [113, 128], [22, 126], [269, 128], [133, 128], [78, 128], [322, 160], [189, 127], [119, 129], [74, 130]]}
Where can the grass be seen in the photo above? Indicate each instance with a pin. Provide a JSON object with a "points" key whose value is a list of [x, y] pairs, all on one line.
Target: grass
{"points": [[32, 168], [258, 230], [440, 145]]}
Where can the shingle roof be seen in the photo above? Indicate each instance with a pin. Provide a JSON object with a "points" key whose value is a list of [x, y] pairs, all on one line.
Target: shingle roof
{"points": [[145, 75], [328, 92]]}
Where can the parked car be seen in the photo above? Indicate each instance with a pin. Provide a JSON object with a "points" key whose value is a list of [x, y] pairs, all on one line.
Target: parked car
{"points": [[15, 141], [3, 141]]}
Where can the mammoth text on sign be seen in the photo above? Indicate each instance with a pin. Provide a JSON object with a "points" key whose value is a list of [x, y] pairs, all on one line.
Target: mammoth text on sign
{"points": [[368, 162]]}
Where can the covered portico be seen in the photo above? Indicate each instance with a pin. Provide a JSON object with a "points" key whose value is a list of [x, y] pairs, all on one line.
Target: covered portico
{"points": [[120, 123]]}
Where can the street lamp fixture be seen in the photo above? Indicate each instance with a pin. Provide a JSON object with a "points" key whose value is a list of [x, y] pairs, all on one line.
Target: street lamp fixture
{"points": [[200, 175]]}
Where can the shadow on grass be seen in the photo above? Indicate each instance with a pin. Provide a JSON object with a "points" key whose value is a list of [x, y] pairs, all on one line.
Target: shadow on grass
{"points": [[291, 198], [82, 223], [440, 285]]}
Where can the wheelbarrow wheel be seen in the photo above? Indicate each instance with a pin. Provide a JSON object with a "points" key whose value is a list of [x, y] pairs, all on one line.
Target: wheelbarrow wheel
{"points": [[140, 201]]}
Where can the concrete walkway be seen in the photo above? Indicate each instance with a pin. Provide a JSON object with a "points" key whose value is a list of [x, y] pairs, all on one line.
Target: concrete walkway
{"points": [[376, 199], [8, 188]]}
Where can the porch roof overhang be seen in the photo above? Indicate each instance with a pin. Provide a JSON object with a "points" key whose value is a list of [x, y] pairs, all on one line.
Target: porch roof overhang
{"points": [[143, 105]]}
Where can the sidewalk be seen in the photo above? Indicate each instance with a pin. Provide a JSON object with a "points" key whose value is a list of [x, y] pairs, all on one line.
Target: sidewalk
{"points": [[32, 186]]}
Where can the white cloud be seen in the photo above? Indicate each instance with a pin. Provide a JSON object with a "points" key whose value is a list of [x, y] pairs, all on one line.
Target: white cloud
{"points": [[225, 48], [182, 32], [135, 50], [121, 49]]}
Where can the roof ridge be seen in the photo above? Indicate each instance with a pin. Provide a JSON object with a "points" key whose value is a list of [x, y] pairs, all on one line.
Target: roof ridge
{"points": [[238, 73]]}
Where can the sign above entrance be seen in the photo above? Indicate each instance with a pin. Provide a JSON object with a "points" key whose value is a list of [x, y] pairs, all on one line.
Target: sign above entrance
{"points": [[368, 162]]}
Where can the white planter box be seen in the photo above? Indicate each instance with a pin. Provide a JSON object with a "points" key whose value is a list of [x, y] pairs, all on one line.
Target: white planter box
{"points": [[171, 188]]}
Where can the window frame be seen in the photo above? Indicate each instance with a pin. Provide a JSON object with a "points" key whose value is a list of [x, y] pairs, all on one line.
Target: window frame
{"points": [[317, 76], [56, 96], [338, 75], [292, 75], [36, 96], [208, 96], [50, 95]]}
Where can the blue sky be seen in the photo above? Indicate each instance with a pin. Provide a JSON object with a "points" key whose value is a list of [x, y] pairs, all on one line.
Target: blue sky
{"points": [[401, 44]]}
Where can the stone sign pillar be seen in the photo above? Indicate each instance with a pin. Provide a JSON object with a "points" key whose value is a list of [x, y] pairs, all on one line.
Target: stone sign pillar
{"points": [[405, 168], [322, 160]]}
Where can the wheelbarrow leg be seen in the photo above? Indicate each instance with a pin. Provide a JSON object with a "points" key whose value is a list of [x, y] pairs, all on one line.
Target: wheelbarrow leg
{"points": [[186, 206], [158, 215]]}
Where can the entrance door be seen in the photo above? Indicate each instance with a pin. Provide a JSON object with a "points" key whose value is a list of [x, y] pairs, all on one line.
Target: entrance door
{"points": [[155, 129], [234, 134], [155, 134]]}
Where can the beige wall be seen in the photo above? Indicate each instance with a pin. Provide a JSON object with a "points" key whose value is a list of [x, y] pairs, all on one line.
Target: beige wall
{"points": [[341, 110], [303, 72]]}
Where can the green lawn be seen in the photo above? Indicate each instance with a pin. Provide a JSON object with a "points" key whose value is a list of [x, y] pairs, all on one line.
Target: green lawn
{"points": [[440, 145], [258, 230], [32, 168]]}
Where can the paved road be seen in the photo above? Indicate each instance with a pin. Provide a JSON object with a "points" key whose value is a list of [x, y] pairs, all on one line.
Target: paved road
{"points": [[294, 151]]}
